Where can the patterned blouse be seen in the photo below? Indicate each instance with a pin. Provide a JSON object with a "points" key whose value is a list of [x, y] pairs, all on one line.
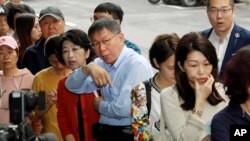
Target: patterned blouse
{"points": [[145, 127]]}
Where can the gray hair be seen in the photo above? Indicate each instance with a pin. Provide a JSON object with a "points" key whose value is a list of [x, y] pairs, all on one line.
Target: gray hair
{"points": [[104, 23]]}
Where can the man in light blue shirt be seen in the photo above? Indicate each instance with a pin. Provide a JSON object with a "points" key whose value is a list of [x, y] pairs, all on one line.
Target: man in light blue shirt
{"points": [[117, 70]]}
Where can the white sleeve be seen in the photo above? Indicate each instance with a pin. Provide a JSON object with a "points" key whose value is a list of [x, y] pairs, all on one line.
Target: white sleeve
{"points": [[182, 125]]}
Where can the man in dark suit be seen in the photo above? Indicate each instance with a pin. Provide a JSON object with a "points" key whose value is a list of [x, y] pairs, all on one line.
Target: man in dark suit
{"points": [[225, 35]]}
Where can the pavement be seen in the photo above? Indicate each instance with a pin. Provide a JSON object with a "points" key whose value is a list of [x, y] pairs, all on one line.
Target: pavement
{"points": [[143, 21]]}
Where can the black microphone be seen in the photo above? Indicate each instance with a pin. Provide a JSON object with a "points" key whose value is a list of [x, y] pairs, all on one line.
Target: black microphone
{"points": [[46, 137]]}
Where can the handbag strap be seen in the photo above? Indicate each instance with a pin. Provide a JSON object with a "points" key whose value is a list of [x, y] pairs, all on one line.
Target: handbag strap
{"points": [[148, 93]]}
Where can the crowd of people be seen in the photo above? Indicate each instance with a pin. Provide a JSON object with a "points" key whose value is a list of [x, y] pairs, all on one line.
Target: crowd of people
{"points": [[99, 87]]}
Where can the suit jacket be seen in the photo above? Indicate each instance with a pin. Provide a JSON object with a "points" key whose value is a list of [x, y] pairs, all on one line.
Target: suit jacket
{"points": [[239, 38]]}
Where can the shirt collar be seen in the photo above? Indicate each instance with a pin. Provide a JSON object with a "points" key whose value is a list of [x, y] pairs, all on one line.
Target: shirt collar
{"points": [[119, 59], [152, 82], [214, 35]]}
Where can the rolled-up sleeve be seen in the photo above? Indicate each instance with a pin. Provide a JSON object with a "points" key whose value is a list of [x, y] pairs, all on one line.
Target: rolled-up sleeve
{"points": [[121, 92], [79, 83]]}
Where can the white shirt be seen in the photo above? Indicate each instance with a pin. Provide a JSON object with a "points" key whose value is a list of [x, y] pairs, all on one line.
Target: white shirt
{"points": [[220, 46]]}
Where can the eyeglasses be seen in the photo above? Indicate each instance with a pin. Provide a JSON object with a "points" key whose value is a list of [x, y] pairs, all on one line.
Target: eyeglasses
{"points": [[222, 10], [104, 42]]}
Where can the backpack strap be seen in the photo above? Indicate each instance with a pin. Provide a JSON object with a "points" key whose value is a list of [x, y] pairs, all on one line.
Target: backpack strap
{"points": [[148, 93]]}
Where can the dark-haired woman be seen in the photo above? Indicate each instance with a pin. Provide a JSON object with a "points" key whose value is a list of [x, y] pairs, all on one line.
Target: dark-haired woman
{"points": [[76, 114], [146, 119], [15, 9], [189, 106], [28, 32], [237, 84], [47, 80]]}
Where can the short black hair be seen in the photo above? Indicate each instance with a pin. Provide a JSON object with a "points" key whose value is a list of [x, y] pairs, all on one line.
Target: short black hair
{"points": [[51, 44], [78, 37], [114, 9], [162, 48], [17, 8]]}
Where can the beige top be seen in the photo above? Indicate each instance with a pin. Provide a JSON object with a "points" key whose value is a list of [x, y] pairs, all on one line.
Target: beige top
{"points": [[182, 124]]}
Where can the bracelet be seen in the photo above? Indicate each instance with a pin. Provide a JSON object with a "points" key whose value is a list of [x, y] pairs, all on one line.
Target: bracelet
{"points": [[199, 113]]}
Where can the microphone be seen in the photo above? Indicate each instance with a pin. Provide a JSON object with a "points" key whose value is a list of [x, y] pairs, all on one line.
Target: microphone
{"points": [[46, 137]]}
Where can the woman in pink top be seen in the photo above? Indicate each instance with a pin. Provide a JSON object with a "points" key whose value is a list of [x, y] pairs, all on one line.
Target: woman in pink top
{"points": [[11, 78]]}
